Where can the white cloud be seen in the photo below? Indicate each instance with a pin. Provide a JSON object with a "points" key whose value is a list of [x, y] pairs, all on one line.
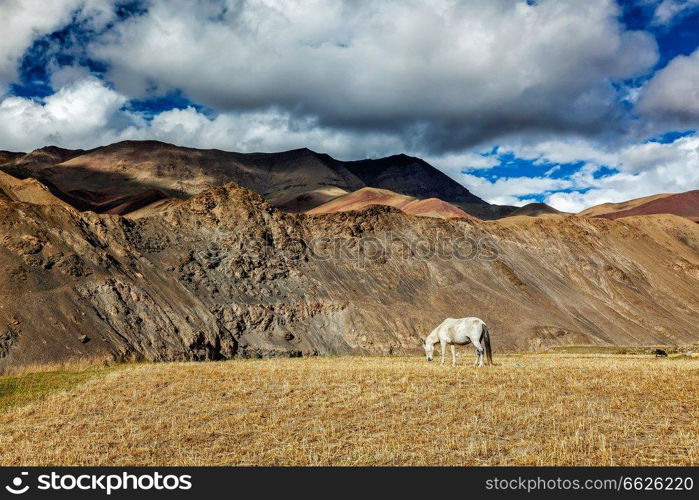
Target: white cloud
{"points": [[576, 202], [669, 10], [673, 92], [507, 191], [82, 114], [643, 169]]}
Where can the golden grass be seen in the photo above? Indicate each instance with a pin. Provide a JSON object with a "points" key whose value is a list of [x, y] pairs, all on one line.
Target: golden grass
{"points": [[553, 409]]}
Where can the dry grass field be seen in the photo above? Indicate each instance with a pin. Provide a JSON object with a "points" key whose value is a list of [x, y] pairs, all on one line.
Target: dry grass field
{"points": [[546, 409]]}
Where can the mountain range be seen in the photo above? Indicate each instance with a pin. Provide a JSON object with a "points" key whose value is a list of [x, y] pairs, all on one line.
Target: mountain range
{"points": [[142, 250], [129, 176], [108, 179]]}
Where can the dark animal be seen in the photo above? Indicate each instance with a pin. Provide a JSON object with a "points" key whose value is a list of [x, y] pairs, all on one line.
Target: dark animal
{"points": [[659, 353]]}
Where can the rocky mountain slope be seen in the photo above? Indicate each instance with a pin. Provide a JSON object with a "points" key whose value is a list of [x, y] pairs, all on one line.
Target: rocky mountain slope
{"points": [[6, 156], [224, 274], [133, 174], [27, 190]]}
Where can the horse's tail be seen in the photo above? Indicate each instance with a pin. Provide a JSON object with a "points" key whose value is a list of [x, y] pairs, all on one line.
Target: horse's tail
{"points": [[486, 341]]}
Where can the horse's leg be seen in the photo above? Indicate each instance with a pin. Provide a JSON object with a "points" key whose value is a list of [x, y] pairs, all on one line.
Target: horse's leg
{"points": [[443, 345], [479, 352], [453, 355]]}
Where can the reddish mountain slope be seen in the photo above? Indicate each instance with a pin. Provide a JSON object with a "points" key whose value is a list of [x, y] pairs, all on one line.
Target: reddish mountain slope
{"points": [[607, 208], [362, 198], [683, 204], [365, 197], [434, 207]]}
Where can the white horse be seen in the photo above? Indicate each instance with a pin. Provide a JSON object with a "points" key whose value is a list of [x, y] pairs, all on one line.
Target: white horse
{"points": [[460, 332]]}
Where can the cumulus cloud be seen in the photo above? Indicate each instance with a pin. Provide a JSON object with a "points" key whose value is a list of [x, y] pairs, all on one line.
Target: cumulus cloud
{"points": [[444, 75], [83, 114], [672, 95]]}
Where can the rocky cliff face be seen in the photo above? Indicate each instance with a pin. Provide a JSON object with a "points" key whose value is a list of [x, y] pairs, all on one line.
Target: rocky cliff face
{"points": [[224, 274]]}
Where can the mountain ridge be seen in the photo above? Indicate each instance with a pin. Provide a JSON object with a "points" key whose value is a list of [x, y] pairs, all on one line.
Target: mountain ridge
{"points": [[682, 204], [295, 180]]}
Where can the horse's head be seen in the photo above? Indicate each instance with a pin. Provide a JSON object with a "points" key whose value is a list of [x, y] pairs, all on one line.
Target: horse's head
{"points": [[429, 350]]}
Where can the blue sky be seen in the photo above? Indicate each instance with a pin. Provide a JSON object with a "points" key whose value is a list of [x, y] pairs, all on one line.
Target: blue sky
{"points": [[679, 36], [570, 103]]}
